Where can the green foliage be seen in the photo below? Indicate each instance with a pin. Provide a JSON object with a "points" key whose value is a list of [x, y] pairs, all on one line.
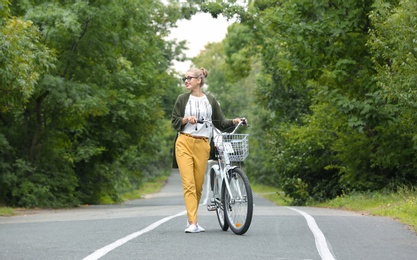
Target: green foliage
{"points": [[227, 8], [23, 58], [322, 50], [235, 89], [4, 9], [337, 91], [239, 52], [393, 43], [329, 89], [302, 154], [47, 187], [90, 124], [6, 176]]}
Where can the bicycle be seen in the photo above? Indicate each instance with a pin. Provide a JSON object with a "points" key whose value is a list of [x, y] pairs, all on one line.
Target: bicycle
{"points": [[232, 194]]}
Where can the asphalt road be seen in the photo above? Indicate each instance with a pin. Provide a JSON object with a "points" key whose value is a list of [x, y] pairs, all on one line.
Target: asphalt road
{"points": [[153, 228]]}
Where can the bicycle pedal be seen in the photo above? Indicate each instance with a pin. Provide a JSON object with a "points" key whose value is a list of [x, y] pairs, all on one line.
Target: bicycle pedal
{"points": [[211, 207]]}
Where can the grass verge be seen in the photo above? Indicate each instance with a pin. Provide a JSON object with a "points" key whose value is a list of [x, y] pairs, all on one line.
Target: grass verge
{"points": [[147, 188], [400, 205], [6, 211], [271, 194]]}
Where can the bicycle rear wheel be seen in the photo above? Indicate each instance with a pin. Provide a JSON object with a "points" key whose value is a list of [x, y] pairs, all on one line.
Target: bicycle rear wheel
{"points": [[217, 188], [221, 217], [239, 203]]}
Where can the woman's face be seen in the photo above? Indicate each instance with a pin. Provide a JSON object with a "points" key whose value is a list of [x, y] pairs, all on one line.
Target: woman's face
{"points": [[191, 81]]}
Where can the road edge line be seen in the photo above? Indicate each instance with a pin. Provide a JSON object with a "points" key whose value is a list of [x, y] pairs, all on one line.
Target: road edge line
{"points": [[320, 239], [104, 250]]}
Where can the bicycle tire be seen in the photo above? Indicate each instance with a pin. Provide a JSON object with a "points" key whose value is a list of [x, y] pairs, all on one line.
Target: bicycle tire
{"points": [[239, 211], [221, 214]]}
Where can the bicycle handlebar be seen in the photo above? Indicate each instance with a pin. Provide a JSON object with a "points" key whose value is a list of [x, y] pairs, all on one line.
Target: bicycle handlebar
{"points": [[243, 122]]}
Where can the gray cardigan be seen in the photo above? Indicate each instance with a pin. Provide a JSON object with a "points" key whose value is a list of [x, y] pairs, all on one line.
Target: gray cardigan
{"points": [[219, 121]]}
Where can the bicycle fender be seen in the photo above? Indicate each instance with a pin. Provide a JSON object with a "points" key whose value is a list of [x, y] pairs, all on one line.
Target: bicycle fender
{"points": [[214, 171], [215, 167]]}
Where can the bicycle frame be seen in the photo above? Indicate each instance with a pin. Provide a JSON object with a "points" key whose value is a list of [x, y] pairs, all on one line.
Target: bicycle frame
{"points": [[232, 197], [223, 167]]}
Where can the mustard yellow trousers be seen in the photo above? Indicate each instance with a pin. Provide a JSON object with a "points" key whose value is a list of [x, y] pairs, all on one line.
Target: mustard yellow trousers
{"points": [[192, 155]]}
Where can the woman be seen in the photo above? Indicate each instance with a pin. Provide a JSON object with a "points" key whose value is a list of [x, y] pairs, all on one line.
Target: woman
{"points": [[192, 147]]}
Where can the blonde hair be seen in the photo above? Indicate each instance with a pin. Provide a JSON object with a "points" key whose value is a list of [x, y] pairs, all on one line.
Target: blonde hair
{"points": [[202, 73]]}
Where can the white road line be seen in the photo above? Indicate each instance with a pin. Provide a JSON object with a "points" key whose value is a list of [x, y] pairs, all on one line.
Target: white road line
{"points": [[103, 251], [320, 239]]}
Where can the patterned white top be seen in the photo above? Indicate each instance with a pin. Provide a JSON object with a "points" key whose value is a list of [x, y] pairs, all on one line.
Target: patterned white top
{"points": [[199, 107]]}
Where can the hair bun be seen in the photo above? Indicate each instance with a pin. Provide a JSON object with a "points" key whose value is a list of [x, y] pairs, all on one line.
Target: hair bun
{"points": [[204, 72]]}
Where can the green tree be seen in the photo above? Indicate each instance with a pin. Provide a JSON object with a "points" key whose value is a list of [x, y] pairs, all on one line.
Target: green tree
{"points": [[319, 60], [234, 88], [93, 124], [23, 60], [330, 92], [393, 43]]}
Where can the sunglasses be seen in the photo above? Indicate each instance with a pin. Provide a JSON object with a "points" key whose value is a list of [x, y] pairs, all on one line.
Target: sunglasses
{"points": [[188, 78]]}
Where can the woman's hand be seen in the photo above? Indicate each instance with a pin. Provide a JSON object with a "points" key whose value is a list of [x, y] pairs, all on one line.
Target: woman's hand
{"points": [[238, 120], [189, 119]]}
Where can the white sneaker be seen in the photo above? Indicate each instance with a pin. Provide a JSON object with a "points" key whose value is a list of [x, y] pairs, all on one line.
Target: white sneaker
{"points": [[192, 229], [200, 228]]}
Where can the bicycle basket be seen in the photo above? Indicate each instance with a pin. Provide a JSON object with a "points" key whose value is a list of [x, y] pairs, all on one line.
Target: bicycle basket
{"points": [[237, 146]]}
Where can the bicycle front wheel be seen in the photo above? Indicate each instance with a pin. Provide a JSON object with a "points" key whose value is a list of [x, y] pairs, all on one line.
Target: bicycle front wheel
{"points": [[239, 203]]}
